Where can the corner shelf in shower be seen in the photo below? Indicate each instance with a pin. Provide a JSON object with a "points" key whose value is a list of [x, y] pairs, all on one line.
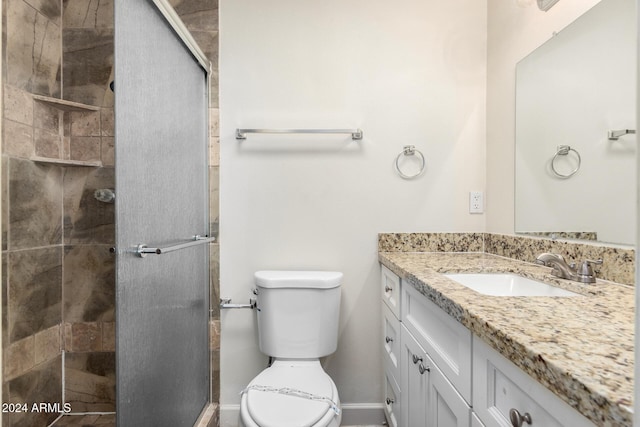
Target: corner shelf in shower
{"points": [[64, 105], [65, 162]]}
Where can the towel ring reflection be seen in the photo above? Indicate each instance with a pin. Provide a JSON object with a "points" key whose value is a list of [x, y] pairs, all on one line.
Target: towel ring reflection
{"points": [[563, 150], [410, 150]]}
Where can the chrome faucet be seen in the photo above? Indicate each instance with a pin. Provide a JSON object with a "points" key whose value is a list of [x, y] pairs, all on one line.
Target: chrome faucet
{"points": [[561, 269]]}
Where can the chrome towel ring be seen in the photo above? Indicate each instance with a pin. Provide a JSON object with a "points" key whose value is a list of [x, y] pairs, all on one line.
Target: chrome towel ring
{"points": [[410, 150], [563, 150]]}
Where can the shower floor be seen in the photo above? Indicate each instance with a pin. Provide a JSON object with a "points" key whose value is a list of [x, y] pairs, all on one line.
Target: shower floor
{"points": [[86, 420]]}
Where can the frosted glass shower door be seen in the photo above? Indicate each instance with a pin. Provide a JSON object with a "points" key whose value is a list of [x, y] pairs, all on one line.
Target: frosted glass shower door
{"points": [[162, 303]]}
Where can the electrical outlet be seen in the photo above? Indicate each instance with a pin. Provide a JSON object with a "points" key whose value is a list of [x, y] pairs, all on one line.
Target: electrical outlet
{"points": [[476, 202]]}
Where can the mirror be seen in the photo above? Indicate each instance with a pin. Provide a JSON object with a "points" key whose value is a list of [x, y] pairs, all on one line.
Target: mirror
{"points": [[572, 181]]}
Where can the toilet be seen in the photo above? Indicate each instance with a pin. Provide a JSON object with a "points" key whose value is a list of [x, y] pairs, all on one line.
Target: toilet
{"points": [[297, 324]]}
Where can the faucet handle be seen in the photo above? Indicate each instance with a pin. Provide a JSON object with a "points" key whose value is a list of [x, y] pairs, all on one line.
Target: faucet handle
{"points": [[585, 271]]}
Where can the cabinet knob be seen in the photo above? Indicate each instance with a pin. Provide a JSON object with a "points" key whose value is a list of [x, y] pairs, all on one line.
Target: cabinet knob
{"points": [[388, 288], [424, 369], [517, 420], [388, 339], [416, 359], [390, 401]]}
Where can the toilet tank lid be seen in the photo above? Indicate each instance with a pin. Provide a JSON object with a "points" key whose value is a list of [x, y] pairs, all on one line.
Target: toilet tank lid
{"points": [[298, 279]]}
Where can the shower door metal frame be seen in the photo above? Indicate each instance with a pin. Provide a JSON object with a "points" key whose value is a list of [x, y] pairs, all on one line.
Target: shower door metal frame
{"points": [[185, 37]]}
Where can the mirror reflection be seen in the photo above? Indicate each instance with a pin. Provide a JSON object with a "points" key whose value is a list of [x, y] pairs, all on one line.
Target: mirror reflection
{"points": [[575, 161]]}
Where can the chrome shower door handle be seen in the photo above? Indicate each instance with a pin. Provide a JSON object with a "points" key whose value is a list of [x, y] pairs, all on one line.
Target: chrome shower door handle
{"points": [[142, 250]]}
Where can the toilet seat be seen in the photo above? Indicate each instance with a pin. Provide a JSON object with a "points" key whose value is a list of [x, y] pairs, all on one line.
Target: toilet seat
{"points": [[310, 402]]}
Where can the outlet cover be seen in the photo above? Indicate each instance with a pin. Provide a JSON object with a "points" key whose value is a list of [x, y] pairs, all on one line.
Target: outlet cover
{"points": [[476, 202]]}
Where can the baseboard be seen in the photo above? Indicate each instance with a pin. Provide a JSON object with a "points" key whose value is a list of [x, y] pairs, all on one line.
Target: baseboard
{"points": [[352, 414], [229, 415]]}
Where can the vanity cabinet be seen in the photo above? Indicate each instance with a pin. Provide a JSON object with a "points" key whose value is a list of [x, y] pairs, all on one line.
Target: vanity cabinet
{"points": [[433, 365], [500, 387], [391, 342]]}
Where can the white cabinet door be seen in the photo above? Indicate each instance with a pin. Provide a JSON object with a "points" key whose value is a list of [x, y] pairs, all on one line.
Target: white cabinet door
{"points": [[414, 382], [446, 407]]}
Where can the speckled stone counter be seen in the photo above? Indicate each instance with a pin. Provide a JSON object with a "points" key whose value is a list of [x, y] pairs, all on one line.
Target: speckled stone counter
{"points": [[581, 348]]}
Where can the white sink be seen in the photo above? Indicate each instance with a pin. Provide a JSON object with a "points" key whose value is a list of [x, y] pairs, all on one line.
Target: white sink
{"points": [[507, 285]]}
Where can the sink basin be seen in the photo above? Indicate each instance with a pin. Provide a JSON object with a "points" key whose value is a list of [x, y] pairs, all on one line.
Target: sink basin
{"points": [[507, 285]]}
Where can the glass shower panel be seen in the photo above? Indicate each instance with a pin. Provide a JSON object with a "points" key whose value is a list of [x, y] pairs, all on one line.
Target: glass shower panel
{"points": [[162, 357]]}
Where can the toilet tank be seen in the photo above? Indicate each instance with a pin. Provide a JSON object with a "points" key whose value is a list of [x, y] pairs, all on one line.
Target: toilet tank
{"points": [[298, 313]]}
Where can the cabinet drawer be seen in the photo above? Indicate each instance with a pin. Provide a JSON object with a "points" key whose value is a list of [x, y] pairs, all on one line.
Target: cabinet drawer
{"points": [[445, 340], [391, 401], [499, 386], [390, 290], [391, 341]]}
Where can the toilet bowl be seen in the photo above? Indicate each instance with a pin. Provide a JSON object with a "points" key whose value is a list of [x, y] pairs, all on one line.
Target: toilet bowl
{"points": [[297, 324], [291, 393]]}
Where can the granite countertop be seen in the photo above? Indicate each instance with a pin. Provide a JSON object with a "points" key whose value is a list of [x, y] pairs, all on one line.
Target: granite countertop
{"points": [[581, 348]]}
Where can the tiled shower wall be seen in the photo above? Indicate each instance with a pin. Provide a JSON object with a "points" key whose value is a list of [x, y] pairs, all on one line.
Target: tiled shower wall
{"points": [[58, 276]]}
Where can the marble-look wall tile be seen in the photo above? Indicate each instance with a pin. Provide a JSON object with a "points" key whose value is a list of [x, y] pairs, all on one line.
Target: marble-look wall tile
{"points": [[214, 280], [5, 294], [82, 337], [90, 382], [89, 284], [35, 291], [108, 336], [107, 122], [88, 14], [618, 263], [18, 139], [198, 15], [35, 200], [85, 148], [215, 376], [49, 8], [18, 105], [430, 242], [47, 117], [85, 124], [4, 204], [107, 151], [86, 220], [41, 384], [47, 144], [33, 49], [88, 64], [214, 200], [19, 358], [23, 355], [47, 344]]}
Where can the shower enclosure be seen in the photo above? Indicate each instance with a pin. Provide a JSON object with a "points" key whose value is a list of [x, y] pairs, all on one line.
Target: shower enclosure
{"points": [[90, 328], [162, 301]]}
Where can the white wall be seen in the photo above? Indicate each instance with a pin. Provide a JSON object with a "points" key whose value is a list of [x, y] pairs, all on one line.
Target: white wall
{"points": [[513, 32], [406, 72]]}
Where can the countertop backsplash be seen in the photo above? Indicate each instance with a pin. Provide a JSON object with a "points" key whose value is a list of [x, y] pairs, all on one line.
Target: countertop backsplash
{"points": [[618, 262]]}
